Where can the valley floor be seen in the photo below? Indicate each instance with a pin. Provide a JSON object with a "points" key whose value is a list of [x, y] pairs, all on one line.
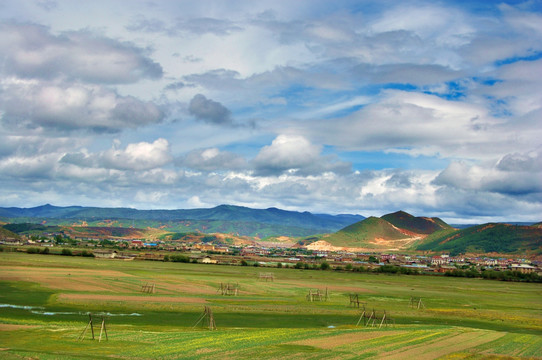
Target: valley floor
{"points": [[45, 301]]}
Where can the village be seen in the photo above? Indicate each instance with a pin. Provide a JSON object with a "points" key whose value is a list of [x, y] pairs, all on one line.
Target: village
{"points": [[274, 254]]}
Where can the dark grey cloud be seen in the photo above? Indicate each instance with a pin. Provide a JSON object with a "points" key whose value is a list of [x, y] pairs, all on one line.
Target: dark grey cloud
{"points": [[178, 85], [209, 111], [32, 51]]}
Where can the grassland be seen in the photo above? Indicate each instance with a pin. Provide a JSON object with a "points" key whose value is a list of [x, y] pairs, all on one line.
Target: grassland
{"points": [[44, 301]]}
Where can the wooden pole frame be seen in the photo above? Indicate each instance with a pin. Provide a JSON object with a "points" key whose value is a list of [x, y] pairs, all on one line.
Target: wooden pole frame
{"points": [[208, 316], [103, 329]]}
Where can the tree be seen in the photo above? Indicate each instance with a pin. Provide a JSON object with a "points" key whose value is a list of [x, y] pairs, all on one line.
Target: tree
{"points": [[324, 266]]}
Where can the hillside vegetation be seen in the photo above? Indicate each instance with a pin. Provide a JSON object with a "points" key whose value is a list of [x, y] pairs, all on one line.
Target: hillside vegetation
{"points": [[501, 238], [6, 234]]}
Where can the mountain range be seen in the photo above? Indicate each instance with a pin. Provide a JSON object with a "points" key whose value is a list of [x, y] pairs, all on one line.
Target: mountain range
{"points": [[224, 218], [392, 232]]}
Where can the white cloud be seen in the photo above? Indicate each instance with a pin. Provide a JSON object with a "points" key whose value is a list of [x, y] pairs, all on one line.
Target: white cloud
{"points": [[31, 51], [513, 175], [61, 106], [140, 156], [427, 82], [296, 155], [416, 122]]}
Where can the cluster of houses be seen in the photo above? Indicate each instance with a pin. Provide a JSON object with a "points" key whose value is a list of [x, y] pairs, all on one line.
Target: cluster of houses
{"points": [[129, 249]]}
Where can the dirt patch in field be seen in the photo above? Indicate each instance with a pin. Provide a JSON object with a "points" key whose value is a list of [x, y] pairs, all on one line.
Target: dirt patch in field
{"points": [[442, 346], [63, 271], [330, 342], [123, 298], [71, 279], [12, 327], [176, 286]]}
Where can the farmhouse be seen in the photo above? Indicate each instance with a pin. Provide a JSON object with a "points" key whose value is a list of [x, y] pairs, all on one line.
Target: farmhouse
{"points": [[523, 268], [205, 247], [208, 260], [136, 244], [10, 241], [105, 254]]}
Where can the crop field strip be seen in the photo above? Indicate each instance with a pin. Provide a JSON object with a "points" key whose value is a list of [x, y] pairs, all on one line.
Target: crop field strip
{"points": [[464, 317]]}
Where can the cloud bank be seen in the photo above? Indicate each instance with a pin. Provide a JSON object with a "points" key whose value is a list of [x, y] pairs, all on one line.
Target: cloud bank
{"points": [[334, 107]]}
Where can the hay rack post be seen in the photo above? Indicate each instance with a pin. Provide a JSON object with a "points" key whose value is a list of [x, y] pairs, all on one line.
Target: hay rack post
{"points": [[416, 302], [374, 318], [148, 288], [317, 295], [354, 300], [103, 329], [230, 289], [208, 318], [266, 276]]}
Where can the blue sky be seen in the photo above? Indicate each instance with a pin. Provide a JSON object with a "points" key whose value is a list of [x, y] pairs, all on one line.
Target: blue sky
{"points": [[366, 107]]}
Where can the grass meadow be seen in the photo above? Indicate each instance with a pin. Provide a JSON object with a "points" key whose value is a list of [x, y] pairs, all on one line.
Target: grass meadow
{"points": [[45, 301]]}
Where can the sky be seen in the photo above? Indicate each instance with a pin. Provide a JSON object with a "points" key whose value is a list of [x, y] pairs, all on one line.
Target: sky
{"points": [[360, 107]]}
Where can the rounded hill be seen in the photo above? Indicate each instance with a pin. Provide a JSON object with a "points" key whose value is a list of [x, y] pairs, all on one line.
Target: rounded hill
{"points": [[417, 225]]}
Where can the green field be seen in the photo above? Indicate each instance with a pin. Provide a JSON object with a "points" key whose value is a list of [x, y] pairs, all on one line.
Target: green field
{"points": [[44, 302]]}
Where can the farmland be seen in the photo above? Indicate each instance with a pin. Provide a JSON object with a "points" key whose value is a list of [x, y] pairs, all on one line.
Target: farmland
{"points": [[44, 303]]}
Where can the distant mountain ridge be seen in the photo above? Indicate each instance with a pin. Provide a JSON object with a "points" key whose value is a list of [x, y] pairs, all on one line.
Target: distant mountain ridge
{"points": [[305, 222]]}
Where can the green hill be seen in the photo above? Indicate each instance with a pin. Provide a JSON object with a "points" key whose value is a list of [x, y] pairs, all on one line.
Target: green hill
{"points": [[398, 230], [365, 232], [500, 238], [416, 225], [6, 234]]}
